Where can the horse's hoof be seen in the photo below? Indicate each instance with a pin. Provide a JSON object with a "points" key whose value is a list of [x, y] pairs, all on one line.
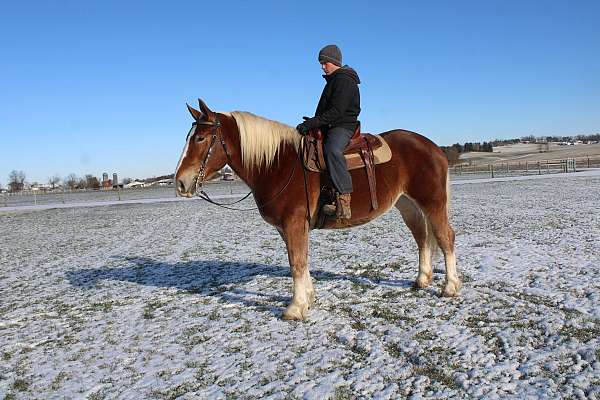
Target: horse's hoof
{"points": [[295, 313], [451, 289], [422, 282]]}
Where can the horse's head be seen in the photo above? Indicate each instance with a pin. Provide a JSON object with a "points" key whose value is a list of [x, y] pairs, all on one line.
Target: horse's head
{"points": [[203, 154]]}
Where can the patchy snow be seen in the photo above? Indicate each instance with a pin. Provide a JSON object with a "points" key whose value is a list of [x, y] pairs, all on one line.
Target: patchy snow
{"points": [[183, 300]]}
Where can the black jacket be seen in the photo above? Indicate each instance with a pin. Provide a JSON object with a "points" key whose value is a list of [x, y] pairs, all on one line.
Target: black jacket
{"points": [[340, 101]]}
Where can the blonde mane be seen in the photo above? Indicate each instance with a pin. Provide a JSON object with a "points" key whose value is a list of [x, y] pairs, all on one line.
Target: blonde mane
{"points": [[261, 138]]}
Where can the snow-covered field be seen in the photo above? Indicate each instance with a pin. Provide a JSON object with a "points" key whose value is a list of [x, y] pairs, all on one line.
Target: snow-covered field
{"points": [[183, 300]]}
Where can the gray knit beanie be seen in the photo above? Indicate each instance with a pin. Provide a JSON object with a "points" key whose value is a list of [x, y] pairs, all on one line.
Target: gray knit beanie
{"points": [[331, 53]]}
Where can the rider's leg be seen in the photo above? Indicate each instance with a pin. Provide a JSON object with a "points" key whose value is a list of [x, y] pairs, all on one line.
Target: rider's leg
{"points": [[334, 144]]}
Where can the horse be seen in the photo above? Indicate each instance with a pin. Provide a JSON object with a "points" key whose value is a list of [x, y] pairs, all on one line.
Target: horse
{"points": [[265, 155]]}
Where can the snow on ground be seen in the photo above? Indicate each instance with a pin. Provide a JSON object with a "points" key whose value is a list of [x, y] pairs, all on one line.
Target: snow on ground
{"points": [[183, 300]]}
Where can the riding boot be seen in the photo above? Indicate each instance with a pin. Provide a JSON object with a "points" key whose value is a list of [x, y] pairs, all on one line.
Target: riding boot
{"points": [[341, 208]]}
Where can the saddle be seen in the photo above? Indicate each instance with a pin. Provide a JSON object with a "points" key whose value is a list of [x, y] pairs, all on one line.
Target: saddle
{"points": [[363, 151]]}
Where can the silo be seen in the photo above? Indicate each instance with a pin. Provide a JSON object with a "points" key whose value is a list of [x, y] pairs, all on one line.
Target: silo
{"points": [[115, 180], [105, 177]]}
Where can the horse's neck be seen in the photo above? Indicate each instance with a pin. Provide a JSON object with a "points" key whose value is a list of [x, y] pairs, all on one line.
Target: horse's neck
{"points": [[264, 180]]}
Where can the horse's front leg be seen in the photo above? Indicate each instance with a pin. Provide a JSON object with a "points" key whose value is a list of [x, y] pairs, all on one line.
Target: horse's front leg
{"points": [[295, 236]]}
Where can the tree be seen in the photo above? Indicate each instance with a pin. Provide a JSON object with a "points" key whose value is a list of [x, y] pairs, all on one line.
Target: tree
{"points": [[71, 181], [16, 181], [81, 183], [91, 182], [126, 181], [53, 181]]}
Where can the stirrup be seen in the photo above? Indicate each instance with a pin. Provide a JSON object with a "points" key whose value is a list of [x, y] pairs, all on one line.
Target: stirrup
{"points": [[329, 209]]}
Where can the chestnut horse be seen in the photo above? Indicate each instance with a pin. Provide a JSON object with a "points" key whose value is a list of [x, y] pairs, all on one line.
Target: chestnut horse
{"points": [[264, 154]]}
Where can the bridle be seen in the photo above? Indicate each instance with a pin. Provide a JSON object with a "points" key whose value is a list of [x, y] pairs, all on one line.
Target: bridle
{"points": [[199, 191]]}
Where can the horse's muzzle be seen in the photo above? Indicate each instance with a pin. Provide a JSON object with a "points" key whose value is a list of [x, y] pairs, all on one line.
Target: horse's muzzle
{"points": [[185, 191]]}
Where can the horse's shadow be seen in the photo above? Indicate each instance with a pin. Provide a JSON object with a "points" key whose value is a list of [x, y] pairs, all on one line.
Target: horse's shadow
{"points": [[208, 278]]}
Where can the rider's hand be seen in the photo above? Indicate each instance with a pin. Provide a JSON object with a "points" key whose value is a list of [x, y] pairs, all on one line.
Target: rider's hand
{"points": [[302, 128], [308, 124]]}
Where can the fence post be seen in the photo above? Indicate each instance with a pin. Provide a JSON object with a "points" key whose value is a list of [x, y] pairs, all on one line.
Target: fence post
{"points": [[492, 170], [588, 161], [507, 168], [526, 167], [547, 167], [539, 167]]}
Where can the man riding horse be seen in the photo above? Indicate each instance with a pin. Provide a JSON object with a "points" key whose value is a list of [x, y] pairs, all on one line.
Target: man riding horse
{"points": [[336, 116]]}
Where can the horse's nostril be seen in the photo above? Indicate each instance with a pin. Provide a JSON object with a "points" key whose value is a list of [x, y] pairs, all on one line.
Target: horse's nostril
{"points": [[180, 186]]}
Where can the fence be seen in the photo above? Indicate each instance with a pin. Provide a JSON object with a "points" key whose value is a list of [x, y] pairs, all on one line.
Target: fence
{"points": [[29, 198], [516, 168]]}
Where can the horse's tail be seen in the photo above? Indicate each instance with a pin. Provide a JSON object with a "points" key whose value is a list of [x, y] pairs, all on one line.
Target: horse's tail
{"points": [[448, 193], [431, 240]]}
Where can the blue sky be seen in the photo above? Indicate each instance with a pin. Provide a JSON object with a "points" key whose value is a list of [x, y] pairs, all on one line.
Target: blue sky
{"points": [[101, 86]]}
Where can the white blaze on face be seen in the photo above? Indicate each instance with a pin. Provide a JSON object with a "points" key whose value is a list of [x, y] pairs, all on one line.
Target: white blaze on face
{"points": [[185, 149]]}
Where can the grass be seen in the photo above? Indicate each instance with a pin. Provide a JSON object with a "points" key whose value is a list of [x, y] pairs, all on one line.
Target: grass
{"points": [[581, 334], [390, 315], [57, 381], [149, 309], [343, 393], [21, 385]]}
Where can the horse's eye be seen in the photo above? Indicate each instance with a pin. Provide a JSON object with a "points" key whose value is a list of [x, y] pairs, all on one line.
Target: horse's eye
{"points": [[199, 139]]}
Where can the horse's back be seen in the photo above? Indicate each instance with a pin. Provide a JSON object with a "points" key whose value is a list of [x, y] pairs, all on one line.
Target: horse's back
{"points": [[415, 151], [417, 164]]}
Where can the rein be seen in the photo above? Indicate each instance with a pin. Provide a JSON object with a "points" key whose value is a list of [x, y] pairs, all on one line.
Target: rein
{"points": [[199, 191]]}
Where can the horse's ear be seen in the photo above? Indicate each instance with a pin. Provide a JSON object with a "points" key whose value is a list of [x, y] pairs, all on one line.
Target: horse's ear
{"points": [[205, 110], [197, 115]]}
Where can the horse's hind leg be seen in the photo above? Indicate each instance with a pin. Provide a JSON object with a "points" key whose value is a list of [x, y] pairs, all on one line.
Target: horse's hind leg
{"points": [[444, 235], [417, 223]]}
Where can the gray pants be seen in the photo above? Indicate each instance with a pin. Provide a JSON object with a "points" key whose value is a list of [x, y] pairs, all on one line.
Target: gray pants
{"points": [[336, 140]]}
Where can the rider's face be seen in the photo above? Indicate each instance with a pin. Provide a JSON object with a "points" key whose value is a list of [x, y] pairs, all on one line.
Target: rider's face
{"points": [[328, 67]]}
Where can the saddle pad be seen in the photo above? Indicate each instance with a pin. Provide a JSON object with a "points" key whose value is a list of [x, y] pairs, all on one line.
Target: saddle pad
{"points": [[314, 161]]}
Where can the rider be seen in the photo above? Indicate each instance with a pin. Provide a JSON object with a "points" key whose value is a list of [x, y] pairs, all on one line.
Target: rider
{"points": [[336, 116]]}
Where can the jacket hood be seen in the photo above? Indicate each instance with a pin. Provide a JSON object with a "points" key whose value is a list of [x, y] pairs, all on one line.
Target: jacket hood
{"points": [[345, 70]]}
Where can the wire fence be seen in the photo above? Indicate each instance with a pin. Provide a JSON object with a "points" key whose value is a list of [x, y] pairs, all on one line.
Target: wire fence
{"points": [[521, 168], [66, 196]]}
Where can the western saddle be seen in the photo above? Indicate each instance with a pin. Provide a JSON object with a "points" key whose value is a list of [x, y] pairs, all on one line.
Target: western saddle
{"points": [[359, 153]]}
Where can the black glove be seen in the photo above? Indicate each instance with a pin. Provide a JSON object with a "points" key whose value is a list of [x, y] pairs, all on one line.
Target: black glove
{"points": [[308, 124]]}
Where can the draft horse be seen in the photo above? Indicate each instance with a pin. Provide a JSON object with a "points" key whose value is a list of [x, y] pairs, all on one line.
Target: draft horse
{"points": [[264, 154]]}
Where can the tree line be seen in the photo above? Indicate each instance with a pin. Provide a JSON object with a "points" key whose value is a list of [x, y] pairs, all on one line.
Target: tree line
{"points": [[454, 151]]}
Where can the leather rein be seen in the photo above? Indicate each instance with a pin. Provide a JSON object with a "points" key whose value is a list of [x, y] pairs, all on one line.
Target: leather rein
{"points": [[199, 191]]}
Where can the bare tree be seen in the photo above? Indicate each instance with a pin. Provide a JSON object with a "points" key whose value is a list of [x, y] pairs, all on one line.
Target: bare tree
{"points": [[91, 182], [81, 183], [53, 181], [71, 181], [16, 180], [126, 181]]}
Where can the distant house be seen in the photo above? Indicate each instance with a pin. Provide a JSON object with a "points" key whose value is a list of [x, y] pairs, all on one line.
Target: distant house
{"points": [[163, 182], [39, 187], [134, 184]]}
